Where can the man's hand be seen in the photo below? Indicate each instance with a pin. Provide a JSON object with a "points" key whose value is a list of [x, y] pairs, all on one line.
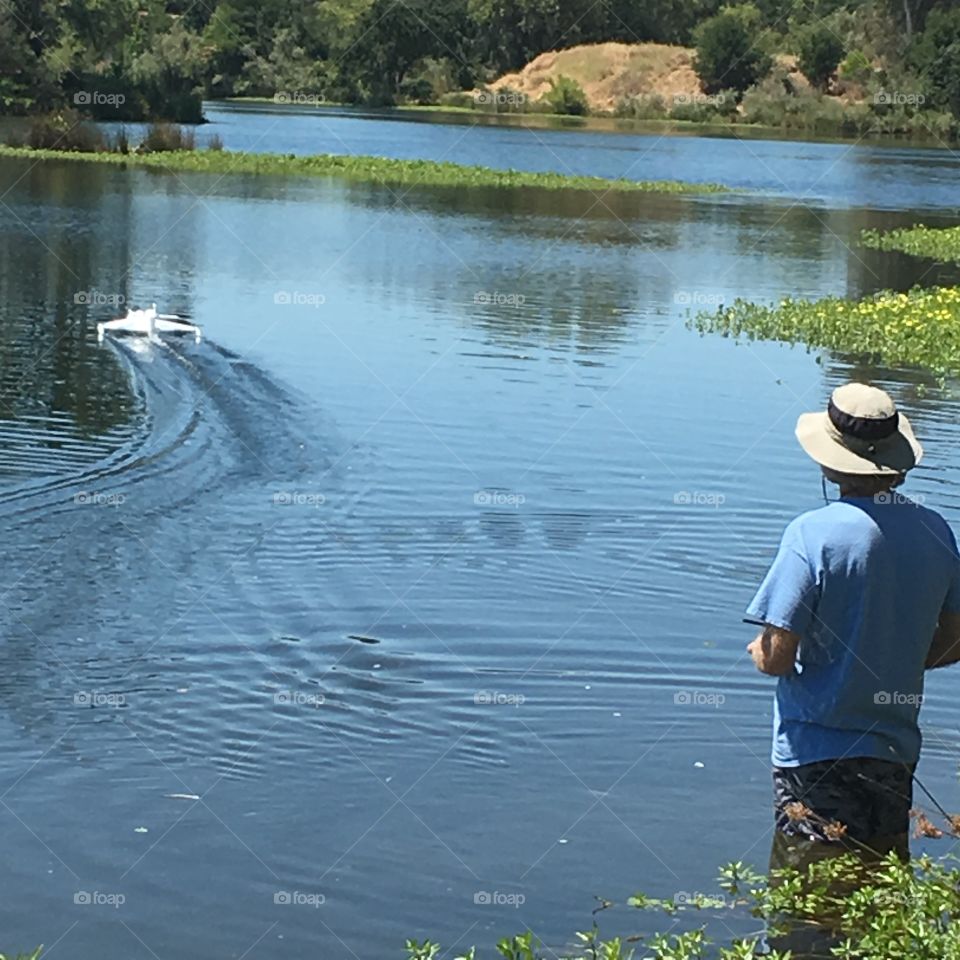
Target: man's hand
{"points": [[774, 651], [945, 648]]}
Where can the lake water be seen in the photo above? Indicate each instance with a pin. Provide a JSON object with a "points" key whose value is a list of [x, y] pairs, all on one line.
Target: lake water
{"points": [[424, 571]]}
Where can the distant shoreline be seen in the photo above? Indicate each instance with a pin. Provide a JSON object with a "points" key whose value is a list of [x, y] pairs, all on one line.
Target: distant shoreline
{"points": [[594, 123]]}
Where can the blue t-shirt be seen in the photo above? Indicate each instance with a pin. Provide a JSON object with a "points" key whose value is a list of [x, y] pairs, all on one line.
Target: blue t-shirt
{"points": [[863, 583]]}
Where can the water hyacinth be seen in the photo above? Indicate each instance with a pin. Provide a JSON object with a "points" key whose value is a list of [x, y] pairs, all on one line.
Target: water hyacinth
{"points": [[941, 244], [384, 170], [916, 329]]}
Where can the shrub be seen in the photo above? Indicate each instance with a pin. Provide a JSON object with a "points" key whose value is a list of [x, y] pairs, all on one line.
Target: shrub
{"points": [[726, 56], [821, 51], [417, 90], [566, 96], [63, 130], [215, 142], [161, 137], [457, 98], [642, 107], [856, 67]]}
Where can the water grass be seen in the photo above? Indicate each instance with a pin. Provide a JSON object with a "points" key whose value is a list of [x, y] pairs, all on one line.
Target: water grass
{"points": [[942, 244], [361, 168], [920, 328], [857, 906]]}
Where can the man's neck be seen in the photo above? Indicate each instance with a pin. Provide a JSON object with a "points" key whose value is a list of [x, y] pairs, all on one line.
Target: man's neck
{"points": [[864, 491]]}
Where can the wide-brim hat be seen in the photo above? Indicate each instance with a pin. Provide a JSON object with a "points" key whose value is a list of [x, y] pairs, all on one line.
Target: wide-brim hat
{"points": [[860, 432]]}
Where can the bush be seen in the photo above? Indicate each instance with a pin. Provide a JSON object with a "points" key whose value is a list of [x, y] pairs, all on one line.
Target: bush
{"points": [[856, 67], [417, 90], [821, 51], [161, 137], [642, 107], [63, 130], [457, 98], [566, 96], [726, 56], [215, 142]]}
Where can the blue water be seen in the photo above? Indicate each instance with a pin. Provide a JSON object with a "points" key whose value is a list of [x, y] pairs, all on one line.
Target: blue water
{"points": [[410, 570]]}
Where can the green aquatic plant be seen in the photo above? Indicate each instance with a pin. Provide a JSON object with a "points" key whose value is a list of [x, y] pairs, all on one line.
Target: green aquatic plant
{"points": [[888, 909], [936, 243], [920, 328], [384, 170]]}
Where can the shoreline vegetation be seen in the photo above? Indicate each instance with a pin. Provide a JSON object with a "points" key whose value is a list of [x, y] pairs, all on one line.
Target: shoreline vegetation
{"points": [[843, 67], [166, 148], [856, 904], [920, 328], [940, 244]]}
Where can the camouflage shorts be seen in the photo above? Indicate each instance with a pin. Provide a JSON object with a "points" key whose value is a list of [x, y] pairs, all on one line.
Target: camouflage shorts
{"points": [[861, 798]]}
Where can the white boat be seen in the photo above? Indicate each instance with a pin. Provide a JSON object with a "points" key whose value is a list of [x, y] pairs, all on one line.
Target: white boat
{"points": [[148, 323]]}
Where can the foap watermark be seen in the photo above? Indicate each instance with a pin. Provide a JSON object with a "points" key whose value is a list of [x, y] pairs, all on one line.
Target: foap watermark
{"points": [[499, 299], [300, 98], [299, 698], [699, 498], [892, 496], [98, 298], [498, 498], [92, 498], [299, 298], [717, 901], [700, 99], [698, 698], [298, 898], [896, 698], [898, 98], [97, 898], [499, 98], [98, 698], [494, 898], [498, 699], [698, 298], [97, 98], [296, 498]]}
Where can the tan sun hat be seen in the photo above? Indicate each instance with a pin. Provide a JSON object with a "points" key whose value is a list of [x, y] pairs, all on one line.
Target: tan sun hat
{"points": [[860, 432]]}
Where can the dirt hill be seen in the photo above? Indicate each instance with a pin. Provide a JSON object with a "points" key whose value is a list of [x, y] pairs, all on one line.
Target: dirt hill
{"points": [[610, 71]]}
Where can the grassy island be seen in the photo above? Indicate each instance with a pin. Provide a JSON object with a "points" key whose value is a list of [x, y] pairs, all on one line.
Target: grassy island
{"points": [[358, 168]]}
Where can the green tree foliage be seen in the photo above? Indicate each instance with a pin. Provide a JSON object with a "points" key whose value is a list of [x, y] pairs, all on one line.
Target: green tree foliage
{"points": [[936, 57], [821, 51], [726, 55], [566, 96], [154, 58]]}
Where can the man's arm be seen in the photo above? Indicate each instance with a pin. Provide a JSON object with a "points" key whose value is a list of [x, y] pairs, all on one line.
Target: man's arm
{"points": [[945, 648], [774, 651]]}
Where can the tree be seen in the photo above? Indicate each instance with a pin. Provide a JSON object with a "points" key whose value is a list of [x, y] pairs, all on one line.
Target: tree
{"points": [[821, 51], [392, 37], [726, 58], [935, 55]]}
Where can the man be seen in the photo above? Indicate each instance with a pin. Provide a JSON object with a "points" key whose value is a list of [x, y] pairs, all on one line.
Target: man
{"points": [[863, 596]]}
